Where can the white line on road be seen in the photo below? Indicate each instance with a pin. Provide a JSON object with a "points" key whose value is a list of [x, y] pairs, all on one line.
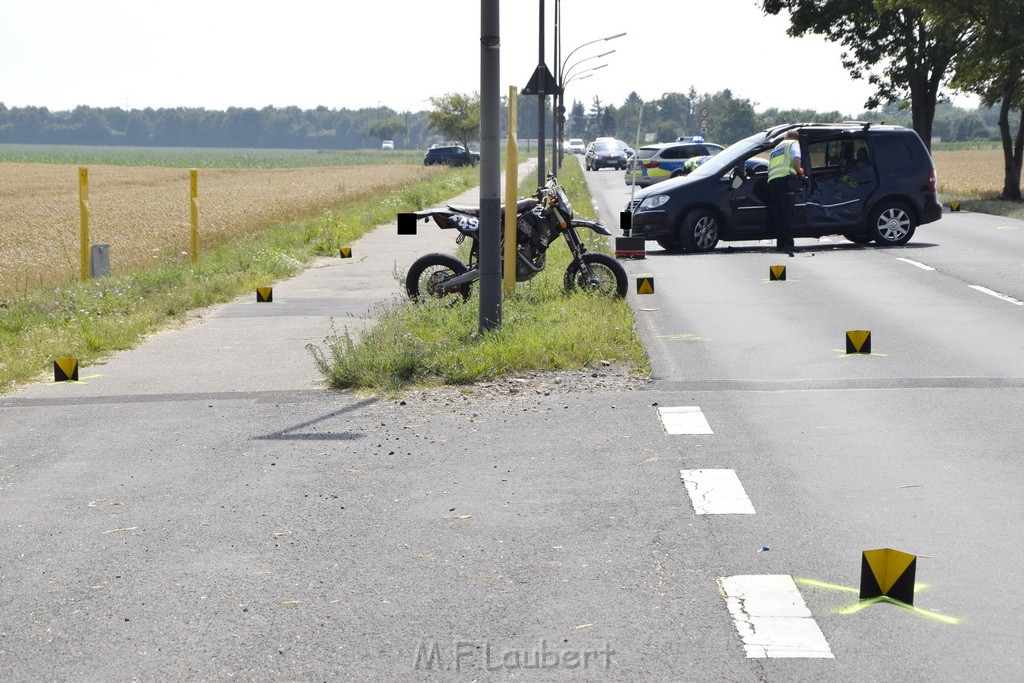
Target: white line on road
{"points": [[915, 263], [684, 420], [771, 617], [716, 492], [997, 295]]}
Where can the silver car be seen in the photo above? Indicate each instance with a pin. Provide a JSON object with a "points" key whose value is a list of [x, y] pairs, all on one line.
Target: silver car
{"points": [[604, 154]]}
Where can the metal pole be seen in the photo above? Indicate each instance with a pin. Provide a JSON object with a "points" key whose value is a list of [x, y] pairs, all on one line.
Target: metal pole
{"points": [[556, 128], [490, 167], [541, 103]]}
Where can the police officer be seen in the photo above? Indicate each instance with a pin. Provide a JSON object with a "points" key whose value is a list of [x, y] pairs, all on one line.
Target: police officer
{"points": [[784, 173]]}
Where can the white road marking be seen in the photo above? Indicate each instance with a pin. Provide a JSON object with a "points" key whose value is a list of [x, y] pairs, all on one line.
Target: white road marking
{"points": [[997, 295], [716, 492], [684, 420], [771, 617], [915, 263]]}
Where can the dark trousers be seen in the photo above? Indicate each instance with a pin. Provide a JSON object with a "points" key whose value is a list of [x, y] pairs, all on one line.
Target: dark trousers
{"points": [[782, 192]]}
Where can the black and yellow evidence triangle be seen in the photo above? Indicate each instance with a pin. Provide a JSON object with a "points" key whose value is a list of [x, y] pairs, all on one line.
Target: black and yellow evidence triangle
{"points": [[888, 573], [645, 285], [346, 252], [264, 294], [776, 273], [65, 370], [858, 341]]}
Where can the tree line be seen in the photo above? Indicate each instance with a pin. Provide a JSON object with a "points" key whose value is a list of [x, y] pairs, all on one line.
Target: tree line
{"points": [[269, 127]]}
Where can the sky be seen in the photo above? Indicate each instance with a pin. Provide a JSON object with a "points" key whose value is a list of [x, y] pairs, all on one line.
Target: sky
{"points": [[351, 54]]}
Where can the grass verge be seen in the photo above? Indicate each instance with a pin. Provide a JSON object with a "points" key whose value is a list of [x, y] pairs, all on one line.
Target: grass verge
{"points": [[543, 328], [990, 204], [90, 320]]}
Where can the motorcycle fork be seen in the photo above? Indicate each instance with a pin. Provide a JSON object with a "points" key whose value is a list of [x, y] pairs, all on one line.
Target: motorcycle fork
{"points": [[577, 248]]}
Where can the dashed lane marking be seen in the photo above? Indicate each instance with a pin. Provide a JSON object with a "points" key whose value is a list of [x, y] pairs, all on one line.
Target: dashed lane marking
{"points": [[997, 295], [684, 420], [772, 618], [915, 263], [716, 492]]}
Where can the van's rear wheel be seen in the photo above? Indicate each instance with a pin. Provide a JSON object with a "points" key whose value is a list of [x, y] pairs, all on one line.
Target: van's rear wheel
{"points": [[891, 224]]}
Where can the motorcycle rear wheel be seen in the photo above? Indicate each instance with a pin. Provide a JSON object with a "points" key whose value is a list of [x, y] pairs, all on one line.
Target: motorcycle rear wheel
{"points": [[428, 273], [607, 276]]}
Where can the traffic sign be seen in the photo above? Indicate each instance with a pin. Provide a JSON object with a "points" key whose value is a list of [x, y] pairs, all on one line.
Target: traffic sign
{"points": [[705, 112]]}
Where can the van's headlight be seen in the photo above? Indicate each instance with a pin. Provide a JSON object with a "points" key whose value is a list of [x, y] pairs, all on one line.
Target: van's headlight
{"points": [[652, 202]]}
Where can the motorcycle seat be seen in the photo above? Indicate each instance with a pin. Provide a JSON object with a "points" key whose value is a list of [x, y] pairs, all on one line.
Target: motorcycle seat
{"points": [[524, 204]]}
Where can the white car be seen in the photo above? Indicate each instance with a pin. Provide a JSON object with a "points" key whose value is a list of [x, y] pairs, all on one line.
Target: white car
{"points": [[576, 146], [387, 144]]}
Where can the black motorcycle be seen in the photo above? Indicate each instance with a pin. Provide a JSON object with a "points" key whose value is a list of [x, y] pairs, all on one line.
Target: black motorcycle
{"points": [[539, 222]]}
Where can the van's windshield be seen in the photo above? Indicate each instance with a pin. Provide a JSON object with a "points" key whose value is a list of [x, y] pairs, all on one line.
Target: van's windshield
{"points": [[732, 156]]}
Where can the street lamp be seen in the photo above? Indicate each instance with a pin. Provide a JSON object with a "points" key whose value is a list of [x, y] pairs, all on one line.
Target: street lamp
{"points": [[562, 73], [563, 76], [580, 76]]}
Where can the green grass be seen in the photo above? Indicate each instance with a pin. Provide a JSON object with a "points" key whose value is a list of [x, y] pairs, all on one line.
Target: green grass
{"points": [[991, 205], [92, 319], [422, 344], [543, 328]]}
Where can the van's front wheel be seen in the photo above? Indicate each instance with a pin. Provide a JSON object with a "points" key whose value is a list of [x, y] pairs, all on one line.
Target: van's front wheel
{"points": [[699, 231]]}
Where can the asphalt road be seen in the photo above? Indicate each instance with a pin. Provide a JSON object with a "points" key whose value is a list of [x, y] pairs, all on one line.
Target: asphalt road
{"points": [[913, 447], [202, 509]]}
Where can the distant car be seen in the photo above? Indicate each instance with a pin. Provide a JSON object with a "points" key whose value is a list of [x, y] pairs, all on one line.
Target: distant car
{"points": [[619, 143], [450, 155], [387, 144], [654, 163], [576, 146], [604, 154], [866, 182]]}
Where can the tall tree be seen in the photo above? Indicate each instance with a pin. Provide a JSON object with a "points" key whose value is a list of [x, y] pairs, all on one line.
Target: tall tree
{"points": [[577, 124], [905, 52], [456, 116], [597, 118], [387, 129], [991, 65]]}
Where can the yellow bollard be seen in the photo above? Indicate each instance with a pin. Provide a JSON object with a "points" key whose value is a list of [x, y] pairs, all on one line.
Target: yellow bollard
{"points": [[194, 197], [511, 190], [83, 208]]}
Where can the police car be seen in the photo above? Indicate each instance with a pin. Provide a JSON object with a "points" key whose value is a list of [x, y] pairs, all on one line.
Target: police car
{"points": [[654, 163]]}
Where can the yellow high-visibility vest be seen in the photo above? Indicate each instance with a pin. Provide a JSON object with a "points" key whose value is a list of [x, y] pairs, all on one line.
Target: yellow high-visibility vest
{"points": [[780, 163]]}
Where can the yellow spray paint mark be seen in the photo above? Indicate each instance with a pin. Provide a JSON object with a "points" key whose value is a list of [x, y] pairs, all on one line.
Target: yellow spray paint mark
{"points": [[863, 604], [685, 336], [645, 285]]}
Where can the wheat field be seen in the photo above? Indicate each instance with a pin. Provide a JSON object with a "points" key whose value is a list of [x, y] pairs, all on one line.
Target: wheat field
{"points": [[143, 213], [969, 173]]}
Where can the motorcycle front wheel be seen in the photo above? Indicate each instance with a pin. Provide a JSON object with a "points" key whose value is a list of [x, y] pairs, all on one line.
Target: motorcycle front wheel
{"points": [[428, 274], [607, 276]]}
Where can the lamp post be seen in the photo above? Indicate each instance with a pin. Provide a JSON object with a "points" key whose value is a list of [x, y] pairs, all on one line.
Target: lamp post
{"points": [[563, 73]]}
